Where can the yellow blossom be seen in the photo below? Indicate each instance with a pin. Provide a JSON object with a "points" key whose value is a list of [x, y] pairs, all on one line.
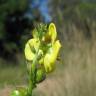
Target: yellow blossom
{"points": [[51, 34], [51, 55], [30, 48]]}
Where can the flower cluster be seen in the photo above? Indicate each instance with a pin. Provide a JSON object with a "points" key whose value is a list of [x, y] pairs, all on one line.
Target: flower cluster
{"points": [[46, 45]]}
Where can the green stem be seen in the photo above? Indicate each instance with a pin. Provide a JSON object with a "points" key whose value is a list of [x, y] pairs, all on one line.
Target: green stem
{"points": [[32, 75]]}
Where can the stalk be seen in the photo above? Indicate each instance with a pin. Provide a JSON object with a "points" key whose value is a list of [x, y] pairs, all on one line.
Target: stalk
{"points": [[32, 75]]}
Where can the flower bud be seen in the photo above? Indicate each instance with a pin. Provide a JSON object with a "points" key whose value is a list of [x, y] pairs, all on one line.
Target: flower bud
{"points": [[15, 93], [40, 75]]}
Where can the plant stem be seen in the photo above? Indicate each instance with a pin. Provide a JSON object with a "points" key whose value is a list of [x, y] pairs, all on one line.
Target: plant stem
{"points": [[32, 76]]}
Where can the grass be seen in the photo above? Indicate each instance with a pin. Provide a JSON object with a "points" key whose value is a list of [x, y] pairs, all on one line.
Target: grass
{"points": [[12, 75], [75, 73]]}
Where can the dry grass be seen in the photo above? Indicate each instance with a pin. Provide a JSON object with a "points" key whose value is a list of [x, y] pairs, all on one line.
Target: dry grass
{"points": [[75, 74]]}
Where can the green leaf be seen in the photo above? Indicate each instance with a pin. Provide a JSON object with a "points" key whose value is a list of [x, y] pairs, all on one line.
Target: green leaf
{"points": [[40, 75]]}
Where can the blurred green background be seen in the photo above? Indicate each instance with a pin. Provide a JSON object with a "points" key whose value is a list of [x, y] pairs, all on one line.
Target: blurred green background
{"points": [[75, 73]]}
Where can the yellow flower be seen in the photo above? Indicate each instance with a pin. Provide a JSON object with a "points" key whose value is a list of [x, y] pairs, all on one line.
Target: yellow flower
{"points": [[30, 52], [51, 55], [30, 48], [51, 34], [48, 57]]}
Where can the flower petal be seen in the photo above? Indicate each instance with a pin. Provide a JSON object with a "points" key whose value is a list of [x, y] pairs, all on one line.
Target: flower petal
{"points": [[52, 32], [51, 56], [30, 47]]}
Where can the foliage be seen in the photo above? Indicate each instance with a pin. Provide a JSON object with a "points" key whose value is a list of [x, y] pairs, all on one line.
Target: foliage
{"points": [[7, 9]]}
